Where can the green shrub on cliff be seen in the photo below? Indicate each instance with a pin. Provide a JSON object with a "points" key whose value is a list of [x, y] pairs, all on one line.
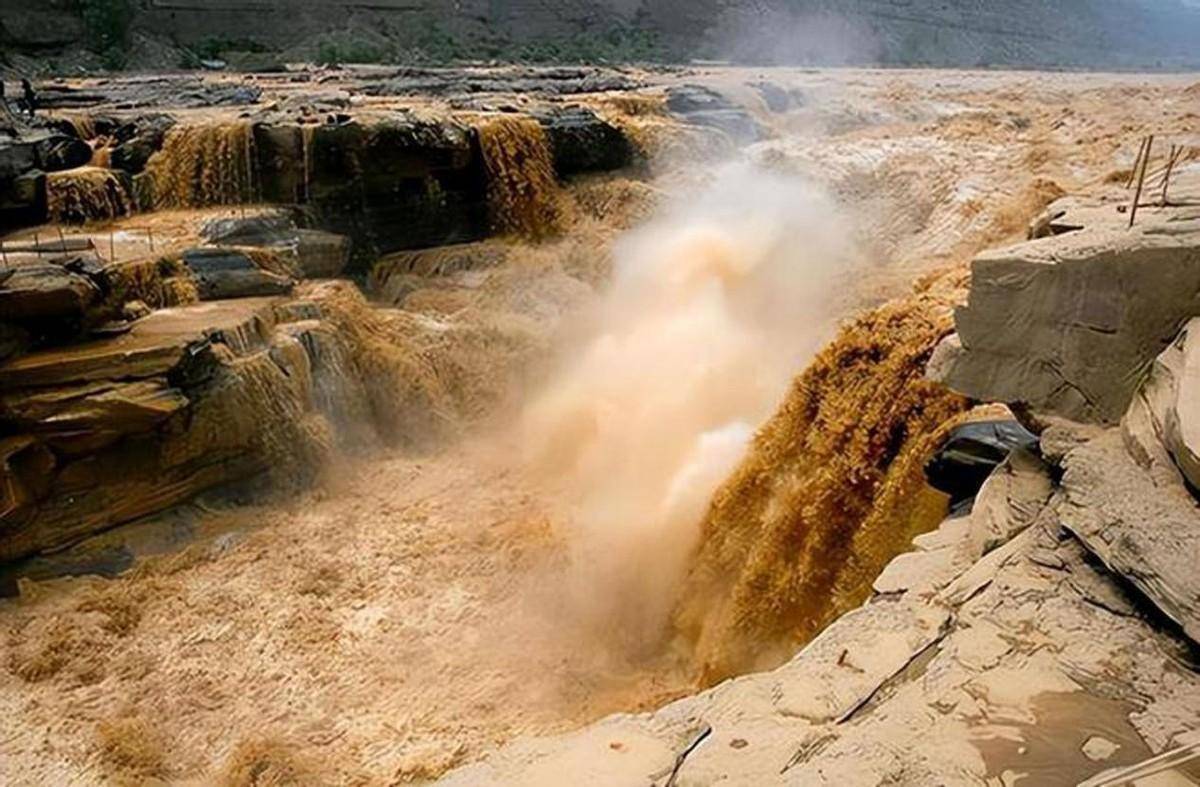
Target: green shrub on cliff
{"points": [[106, 25]]}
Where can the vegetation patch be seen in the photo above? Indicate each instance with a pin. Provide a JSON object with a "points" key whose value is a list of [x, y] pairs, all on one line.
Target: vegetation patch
{"points": [[106, 26]]}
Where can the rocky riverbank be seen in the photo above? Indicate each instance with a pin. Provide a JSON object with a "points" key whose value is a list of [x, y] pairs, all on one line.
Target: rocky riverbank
{"points": [[1052, 633]]}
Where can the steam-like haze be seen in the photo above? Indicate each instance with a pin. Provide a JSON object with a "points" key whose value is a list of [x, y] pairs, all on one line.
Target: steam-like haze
{"points": [[778, 35], [713, 309]]}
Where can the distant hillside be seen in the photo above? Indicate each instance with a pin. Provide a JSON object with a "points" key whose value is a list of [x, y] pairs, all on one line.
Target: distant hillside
{"points": [[1082, 33]]}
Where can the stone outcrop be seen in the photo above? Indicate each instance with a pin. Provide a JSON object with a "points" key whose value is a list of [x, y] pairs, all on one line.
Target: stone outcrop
{"points": [[391, 185], [58, 152], [314, 254], [582, 142], [23, 198], [47, 296], [703, 106], [1070, 324], [970, 454], [137, 140], [1040, 614], [222, 273], [398, 184], [1048, 635], [110, 411], [1170, 402], [1001, 620], [1144, 526], [188, 399], [22, 184]]}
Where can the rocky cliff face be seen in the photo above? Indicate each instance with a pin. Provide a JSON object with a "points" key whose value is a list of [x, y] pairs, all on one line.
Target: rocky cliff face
{"points": [[1117, 33]]}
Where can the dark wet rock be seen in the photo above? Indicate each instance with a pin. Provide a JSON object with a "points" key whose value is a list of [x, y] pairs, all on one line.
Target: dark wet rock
{"points": [[320, 254], [174, 90], [582, 142], [527, 80], [17, 157], [22, 184], [59, 152], [315, 254], [971, 453], [283, 162], [23, 200], [106, 561], [485, 104], [703, 106], [225, 273], [776, 98], [138, 141], [14, 340], [67, 97], [397, 184], [42, 293]]}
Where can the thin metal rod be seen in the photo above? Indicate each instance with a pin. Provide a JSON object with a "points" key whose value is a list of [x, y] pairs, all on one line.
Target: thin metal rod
{"points": [[1176, 154], [1141, 181], [1137, 162]]}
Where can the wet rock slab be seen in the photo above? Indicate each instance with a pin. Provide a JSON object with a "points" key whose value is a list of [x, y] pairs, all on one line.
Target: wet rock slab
{"points": [[190, 398], [528, 80], [389, 183], [37, 291], [157, 346], [700, 105], [582, 142], [222, 274], [316, 254]]}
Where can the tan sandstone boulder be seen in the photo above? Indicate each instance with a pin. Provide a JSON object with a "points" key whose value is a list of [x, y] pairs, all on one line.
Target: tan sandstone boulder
{"points": [[1069, 325], [1171, 397]]}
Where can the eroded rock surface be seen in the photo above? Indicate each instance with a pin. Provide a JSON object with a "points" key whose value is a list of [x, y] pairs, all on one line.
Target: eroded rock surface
{"points": [[1144, 526], [999, 648], [227, 273], [1070, 324], [1170, 401], [703, 106], [188, 399]]}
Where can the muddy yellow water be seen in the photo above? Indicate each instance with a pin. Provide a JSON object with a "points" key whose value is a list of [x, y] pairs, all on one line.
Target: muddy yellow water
{"points": [[421, 605]]}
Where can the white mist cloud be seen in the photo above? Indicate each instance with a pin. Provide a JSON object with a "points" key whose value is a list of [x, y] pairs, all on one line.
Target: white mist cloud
{"points": [[713, 309]]}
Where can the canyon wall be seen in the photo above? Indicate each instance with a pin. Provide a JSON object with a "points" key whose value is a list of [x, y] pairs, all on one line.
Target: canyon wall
{"points": [[1103, 33]]}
